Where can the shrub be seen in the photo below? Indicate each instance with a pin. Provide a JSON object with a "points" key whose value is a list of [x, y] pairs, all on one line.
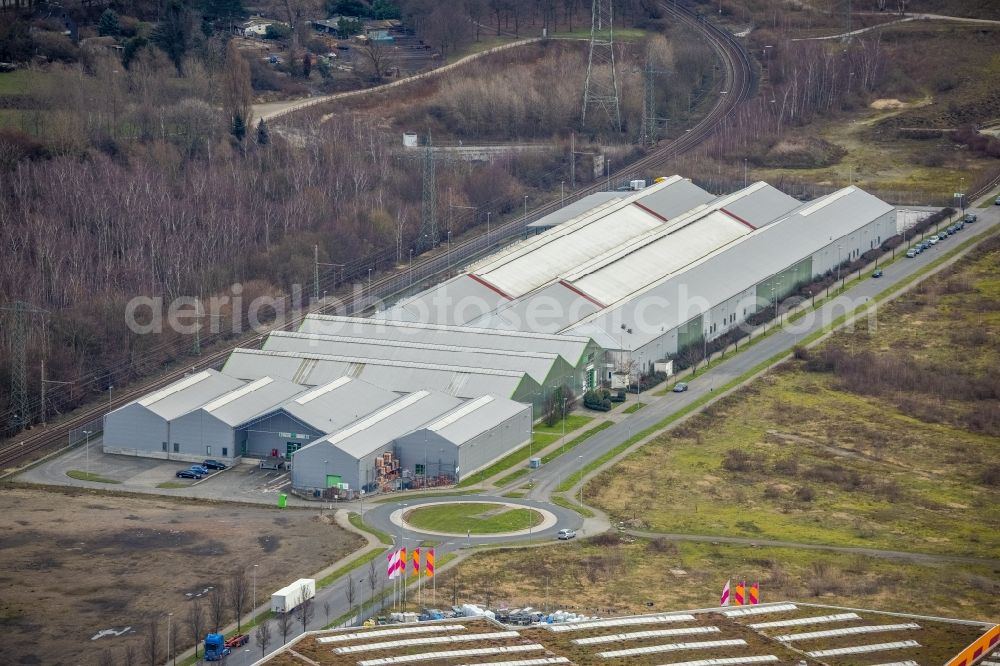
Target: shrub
{"points": [[737, 460], [990, 476], [805, 494]]}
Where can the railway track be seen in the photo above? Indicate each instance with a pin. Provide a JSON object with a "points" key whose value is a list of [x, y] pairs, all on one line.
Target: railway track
{"points": [[739, 82]]}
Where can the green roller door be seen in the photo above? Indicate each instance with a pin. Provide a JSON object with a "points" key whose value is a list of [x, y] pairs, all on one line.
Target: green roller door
{"points": [[333, 480]]}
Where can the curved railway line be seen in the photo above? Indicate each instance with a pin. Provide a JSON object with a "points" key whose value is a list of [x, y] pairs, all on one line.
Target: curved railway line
{"points": [[739, 82]]}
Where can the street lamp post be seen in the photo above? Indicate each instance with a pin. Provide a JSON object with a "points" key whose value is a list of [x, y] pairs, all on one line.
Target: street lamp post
{"points": [[86, 434], [370, 280], [253, 603], [170, 617], [110, 388], [411, 266], [487, 228]]}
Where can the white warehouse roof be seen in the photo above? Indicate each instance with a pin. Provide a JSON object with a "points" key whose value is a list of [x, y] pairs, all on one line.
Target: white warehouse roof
{"points": [[453, 302], [538, 365], [725, 273], [390, 422], [400, 376], [570, 347], [259, 396], [546, 256], [474, 418], [336, 404], [186, 394]]}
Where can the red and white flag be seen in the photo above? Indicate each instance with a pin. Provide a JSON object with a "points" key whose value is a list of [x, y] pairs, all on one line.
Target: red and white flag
{"points": [[724, 599], [392, 569]]}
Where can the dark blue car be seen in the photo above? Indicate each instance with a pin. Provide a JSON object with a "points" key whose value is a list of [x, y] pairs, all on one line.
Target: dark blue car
{"points": [[188, 474], [213, 464]]}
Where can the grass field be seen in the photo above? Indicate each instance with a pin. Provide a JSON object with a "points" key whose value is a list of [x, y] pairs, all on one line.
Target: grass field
{"points": [[478, 518], [894, 448], [80, 475], [18, 82]]}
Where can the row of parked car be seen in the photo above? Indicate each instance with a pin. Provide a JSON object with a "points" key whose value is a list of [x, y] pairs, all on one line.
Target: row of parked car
{"points": [[202, 470], [929, 242]]}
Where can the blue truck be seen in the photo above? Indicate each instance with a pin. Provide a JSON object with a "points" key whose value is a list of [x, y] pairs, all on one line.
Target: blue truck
{"points": [[218, 646], [215, 647]]}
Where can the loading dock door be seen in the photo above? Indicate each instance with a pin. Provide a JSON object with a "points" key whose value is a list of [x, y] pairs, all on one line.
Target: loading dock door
{"points": [[333, 480], [291, 448]]}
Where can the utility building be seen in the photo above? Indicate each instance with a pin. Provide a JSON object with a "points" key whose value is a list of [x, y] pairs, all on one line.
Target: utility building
{"points": [[143, 426], [349, 457], [467, 439], [310, 414]]}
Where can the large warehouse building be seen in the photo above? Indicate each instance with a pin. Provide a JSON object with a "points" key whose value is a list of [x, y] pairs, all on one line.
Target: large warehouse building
{"points": [[449, 379]]}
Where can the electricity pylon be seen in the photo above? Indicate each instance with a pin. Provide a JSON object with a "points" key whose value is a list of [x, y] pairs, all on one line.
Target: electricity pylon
{"points": [[601, 88]]}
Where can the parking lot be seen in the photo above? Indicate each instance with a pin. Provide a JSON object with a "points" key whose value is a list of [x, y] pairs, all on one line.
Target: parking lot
{"points": [[244, 482]]}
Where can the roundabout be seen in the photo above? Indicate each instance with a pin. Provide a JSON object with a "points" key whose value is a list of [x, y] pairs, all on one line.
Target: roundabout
{"points": [[462, 520], [474, 517]]}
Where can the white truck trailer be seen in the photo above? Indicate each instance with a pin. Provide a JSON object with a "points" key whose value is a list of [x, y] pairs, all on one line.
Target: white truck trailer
{"points": [[291, 596]]}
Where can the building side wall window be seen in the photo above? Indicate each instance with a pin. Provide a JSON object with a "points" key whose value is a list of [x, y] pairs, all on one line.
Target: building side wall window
{"points": [[177, 447]]}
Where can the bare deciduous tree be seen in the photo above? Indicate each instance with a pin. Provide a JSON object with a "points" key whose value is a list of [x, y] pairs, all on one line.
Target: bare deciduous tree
{"points": [[153, 642], [304, 612], [284, 626], [196, 624], [236, 88], [263, 635], [128, 654], [217, 606], [372, 584], [326, 610], [173, 638], [376, 58], [351, 593], [239, 594], [106, 658]]}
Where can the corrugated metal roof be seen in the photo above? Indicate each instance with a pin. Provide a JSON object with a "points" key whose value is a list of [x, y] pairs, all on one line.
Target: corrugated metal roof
{"points": [[546, 310], [261, 396], [537, 364], [571, 348], [237, 394], [761, 205], [188, 393], [634, 267], [453, 302], [548, 255], [309, 396], [461, 412], [679, 196], [642, 260], [476, 417], [725, 273], [575, 209], [401, 376], [336, 404], [392, 421]]}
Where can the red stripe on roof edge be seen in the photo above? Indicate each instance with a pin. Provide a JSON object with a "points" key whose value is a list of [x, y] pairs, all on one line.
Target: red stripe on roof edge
{"points": [[582, 293], [650, 211], [490, 286], [738, 218]]}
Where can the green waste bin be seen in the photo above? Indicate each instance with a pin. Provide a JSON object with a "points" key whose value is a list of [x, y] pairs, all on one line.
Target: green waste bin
{"points": [[282, 500]]}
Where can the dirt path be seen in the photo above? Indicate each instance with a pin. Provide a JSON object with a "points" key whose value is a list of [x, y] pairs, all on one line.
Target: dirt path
{"points": [[905, 19], [273, 110]]}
